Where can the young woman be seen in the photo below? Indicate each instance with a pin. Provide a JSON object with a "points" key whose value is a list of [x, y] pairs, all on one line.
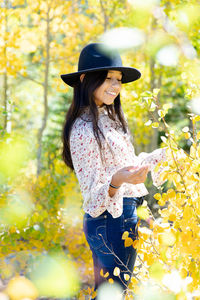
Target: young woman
{"points": [[97, 146]]}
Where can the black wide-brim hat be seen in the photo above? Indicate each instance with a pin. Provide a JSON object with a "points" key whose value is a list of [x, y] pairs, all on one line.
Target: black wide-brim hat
{"points": [[95, 57]]}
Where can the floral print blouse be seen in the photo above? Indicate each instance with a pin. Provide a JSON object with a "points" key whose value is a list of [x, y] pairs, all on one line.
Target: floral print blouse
{"points": [[93, 176]]}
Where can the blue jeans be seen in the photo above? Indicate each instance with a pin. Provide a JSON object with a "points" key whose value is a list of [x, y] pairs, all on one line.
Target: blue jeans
{"points": [[104, 236]]}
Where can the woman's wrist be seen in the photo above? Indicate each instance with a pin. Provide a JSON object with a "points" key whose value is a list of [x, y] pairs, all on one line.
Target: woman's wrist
{"points": [[115, 182], [114, 186]]}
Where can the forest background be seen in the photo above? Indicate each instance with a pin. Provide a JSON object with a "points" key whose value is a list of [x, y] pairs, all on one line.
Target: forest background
{"points": [[43, 252]]}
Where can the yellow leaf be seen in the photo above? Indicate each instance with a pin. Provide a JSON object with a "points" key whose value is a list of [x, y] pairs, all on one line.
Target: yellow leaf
{"points": [[144, 232], [156, 91], [171, 194], [193, 151], [12, 230], [134, 280], [156, 271], [104, 275], [163, 200], [157, 196], [128, 242], [164, 176], [20, 287], [172, 217], [196, 119], [161, 113], [184, 273], [157, 167], [101, 273], [126, 277], [94, 294], [155, 125], [143, 213], [187, 213], [125, 235], [110, 280], [135, 243], [198, 135], [198, 151], [116, 271], [187, 135], [167, 238]]}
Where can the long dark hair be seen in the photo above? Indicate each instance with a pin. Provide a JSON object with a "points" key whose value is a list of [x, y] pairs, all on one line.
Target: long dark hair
{"points": [[82, 98]]}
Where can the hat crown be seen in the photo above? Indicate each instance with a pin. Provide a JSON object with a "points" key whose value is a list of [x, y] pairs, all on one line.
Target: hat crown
{"points": [[95, 56]]}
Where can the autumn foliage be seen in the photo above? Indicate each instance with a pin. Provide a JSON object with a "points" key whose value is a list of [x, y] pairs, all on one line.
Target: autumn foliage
{"points": [[43, 251]]}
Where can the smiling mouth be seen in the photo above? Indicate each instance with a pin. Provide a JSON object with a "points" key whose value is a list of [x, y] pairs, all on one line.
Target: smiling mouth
{"points": [[112, 93]]}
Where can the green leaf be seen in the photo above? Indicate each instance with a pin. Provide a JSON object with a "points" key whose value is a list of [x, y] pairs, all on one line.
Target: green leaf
{"points": [[153, 106], [156, 91], [146, 94], [155, 125]]}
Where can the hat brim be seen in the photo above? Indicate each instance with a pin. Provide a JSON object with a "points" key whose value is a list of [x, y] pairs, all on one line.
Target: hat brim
{"points": [[128, 74]]}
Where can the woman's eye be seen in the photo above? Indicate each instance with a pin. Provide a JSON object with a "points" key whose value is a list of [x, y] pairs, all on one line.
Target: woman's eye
{"points": [[117, 79]]}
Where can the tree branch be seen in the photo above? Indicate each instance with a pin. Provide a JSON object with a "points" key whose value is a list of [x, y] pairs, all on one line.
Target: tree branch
{"points": [[30, 78]]}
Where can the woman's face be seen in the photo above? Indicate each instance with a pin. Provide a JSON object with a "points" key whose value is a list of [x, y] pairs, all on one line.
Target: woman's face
{"points": [[110, 88]]}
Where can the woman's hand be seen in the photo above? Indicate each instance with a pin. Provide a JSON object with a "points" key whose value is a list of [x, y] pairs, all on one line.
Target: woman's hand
{"points": [[134, 175]]}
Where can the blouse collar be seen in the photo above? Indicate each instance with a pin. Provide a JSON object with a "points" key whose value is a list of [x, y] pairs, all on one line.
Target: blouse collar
{"points": [[101, 109]]}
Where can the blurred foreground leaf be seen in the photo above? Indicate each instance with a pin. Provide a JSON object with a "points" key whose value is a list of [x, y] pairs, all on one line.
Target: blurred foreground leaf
{"points": [[55, 276], [14, 154], [17, 208], [20, 287]]}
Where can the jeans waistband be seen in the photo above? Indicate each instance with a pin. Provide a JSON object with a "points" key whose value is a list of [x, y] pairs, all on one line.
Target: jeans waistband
{"points": [[133, 200], [126, 201]]}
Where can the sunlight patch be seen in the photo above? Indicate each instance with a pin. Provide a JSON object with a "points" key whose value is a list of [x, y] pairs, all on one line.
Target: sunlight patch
{"points": [[123, 38]]}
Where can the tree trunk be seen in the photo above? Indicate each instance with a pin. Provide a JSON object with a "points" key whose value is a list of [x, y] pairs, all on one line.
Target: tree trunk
{"points": [[45, 86], [5, 100], [5, 75], [106, 19]]}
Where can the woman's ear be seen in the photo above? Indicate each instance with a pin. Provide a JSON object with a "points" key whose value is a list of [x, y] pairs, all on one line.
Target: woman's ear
{"points": [[81, 77]]}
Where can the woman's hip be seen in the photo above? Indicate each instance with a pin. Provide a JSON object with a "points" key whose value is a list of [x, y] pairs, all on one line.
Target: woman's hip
{"points": [[105, 229]]}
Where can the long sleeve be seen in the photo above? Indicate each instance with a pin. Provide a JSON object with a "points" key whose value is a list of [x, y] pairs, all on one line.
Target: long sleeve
{"points": [[93, 179], [153, 159]]}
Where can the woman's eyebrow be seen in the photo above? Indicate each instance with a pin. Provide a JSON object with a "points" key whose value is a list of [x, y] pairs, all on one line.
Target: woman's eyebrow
{"points": [[114, 72], [117, 74]]}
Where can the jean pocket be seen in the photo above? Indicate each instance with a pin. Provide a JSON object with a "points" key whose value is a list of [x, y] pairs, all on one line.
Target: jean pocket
{"points": [[129, 211], [96, 232], [131, 225]]}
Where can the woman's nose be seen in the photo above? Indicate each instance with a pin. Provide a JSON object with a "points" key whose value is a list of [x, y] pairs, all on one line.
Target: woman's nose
{"points": [[116, 83]]}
